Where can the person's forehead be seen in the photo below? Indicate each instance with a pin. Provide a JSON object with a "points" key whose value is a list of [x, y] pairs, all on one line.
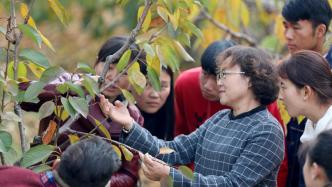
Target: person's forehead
{"points": [[302, 22]]}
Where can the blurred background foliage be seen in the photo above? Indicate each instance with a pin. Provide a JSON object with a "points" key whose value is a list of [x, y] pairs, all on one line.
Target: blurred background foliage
{"points": [[90, 23]]}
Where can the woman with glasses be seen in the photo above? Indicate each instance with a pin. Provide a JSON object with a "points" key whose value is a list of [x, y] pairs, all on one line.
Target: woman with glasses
{"points": [[242, 146]]}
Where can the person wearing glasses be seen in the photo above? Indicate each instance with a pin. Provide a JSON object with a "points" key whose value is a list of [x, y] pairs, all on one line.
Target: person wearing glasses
{"points": [[241, 146]]}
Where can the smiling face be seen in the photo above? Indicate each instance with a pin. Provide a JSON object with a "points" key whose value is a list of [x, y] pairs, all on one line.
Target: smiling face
{"points": [[208, 85], [233, 86], [150, 101], [113, 91], [292, 97], [301, 35]]}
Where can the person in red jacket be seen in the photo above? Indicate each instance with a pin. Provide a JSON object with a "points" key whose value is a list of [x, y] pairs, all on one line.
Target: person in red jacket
{"points": [[196, 98], [88, 163], [127, 175]]}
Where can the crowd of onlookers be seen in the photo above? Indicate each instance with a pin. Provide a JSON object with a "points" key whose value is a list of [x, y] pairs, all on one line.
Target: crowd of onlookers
{"points": [[223, 119]]}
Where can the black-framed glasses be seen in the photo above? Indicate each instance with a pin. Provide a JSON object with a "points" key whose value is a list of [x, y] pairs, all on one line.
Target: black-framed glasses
{"points": [[222, 74]]}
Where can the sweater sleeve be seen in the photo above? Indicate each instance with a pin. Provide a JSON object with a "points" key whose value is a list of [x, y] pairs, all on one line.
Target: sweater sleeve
{"points": [[263, 154]]}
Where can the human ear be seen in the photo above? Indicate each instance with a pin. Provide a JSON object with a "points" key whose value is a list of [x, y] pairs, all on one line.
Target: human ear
{"points": [[321, 30], [306, 92]]}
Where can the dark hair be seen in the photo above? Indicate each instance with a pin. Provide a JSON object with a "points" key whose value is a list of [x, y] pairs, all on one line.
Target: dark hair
{"points": [[161, 123], [88, 163], [257, 65], [309, 68], [112, 45], [318, 12], [319, 151], [208, 59]]}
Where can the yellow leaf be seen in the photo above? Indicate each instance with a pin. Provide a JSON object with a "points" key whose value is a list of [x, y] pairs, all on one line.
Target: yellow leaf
{"points": [[182, 52], [233, 14], [163, 13], [279, 28], [244, 14], [129, 97], [330, 1], [49, 133], [126, 153], [154, 63], [165, 150], [175, 18], [117, 151], [36, 70], [147, 20], [73, 138], [136, 78], [24, 12], [103, 129], [64, 114], [283, 112], [59, 10]]}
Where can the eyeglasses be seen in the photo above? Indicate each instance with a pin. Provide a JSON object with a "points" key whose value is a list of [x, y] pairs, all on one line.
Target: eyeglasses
{"points": [[222, 74]]}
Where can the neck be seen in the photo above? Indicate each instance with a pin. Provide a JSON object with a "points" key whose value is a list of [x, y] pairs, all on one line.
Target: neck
{"points": [[316, 112], [245, 106]]}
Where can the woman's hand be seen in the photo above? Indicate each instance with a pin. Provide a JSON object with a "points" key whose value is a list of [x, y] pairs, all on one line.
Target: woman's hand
{"points": [[154, 169], [117, 112]]}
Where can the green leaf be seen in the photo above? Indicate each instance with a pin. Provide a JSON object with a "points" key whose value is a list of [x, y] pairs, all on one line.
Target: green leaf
{"points": [[59, 10], [123, 61], [35, 57], [6, 141], [11, 156], [90, 85], [129, 97], [51, 74], [197, 32], [85, 68], [21, 70], [31, 33], [75, 88], [42, 168], [184, 38], [154, 79], [182, 52], [148, 49], [186, 172], [33, 91], [71, 111], [36, 154], [3, 30], [136, 78], [80, 105], [12, 87], [46, 109], [62, 88]]}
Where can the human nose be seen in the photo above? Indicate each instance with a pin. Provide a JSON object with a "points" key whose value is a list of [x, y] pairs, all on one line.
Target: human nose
{"points": [[289, 34]]}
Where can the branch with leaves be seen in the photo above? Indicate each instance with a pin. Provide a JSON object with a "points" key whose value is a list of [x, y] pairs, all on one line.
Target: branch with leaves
{"points": [[251, 41]]}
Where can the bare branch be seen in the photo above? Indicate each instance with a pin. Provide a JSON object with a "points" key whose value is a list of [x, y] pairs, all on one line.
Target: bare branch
{"points": [[251, 41], [131, 39]]}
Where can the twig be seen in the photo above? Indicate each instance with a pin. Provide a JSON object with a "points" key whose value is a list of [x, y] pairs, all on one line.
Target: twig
{"points": [[116, 143], [133, 61], [251, 41], [131, 39], [110, 59]]}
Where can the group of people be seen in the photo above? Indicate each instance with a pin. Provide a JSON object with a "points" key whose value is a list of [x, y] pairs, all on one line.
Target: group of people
{"points": [[223, 118]]}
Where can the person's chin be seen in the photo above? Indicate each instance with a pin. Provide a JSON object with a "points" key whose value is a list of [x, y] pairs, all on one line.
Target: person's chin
{"points": [[210, 97]]}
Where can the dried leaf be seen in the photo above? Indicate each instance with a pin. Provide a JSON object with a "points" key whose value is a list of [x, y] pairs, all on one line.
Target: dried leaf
{"points": [[49, 133], [117, 151]]}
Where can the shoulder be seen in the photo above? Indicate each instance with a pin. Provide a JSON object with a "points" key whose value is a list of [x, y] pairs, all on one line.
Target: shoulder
{"points": [[265, 122]]}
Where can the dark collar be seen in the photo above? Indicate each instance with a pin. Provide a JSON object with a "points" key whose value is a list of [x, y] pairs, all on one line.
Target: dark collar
{"points": [[245, 114]]}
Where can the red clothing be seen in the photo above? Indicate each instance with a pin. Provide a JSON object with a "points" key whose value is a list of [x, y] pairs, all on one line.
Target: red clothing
{"points": [[19, 177], [192, 109]]}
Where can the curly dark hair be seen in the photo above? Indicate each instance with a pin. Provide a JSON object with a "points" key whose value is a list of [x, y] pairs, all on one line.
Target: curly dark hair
{"points": [[257, 65]]}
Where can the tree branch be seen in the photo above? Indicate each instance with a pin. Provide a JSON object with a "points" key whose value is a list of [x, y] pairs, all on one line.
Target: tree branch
{"points": [[131, 39], [251, 41]]}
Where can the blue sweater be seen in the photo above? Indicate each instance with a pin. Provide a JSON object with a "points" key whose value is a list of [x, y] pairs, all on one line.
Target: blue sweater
{"points": [[245, 150]]}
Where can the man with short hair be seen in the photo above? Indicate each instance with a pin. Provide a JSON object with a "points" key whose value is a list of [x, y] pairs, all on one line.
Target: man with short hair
{"points": [[306, 23], [88, 163]]}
